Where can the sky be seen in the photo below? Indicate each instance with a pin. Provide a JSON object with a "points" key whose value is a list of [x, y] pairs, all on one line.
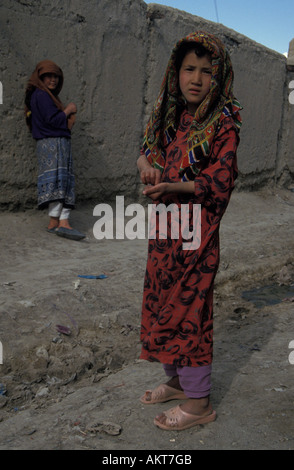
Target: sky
{"points": [[269, 22]]}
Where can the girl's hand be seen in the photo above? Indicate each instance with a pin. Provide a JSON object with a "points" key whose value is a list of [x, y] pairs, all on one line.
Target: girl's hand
{"points": [[70, 109], [157, 191], [150, 176]]}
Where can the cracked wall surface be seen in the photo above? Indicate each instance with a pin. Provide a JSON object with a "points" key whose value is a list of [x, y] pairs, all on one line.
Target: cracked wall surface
{"points": [[113, 54]]}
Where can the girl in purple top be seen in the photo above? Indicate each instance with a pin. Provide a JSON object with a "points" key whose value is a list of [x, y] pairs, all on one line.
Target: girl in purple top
{"points": [[50, 124]]}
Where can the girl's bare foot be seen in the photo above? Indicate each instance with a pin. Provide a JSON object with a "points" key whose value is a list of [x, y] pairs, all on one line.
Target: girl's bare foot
{"points": [[53, 223], [174, 383], [197, 406], [193, 406], [64, 223]]}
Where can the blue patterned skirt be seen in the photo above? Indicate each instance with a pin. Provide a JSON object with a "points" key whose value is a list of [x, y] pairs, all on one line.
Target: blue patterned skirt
{"points": [[55, 175]]}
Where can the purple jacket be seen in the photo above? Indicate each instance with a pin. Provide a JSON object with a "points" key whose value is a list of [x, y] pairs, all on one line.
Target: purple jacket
{"points": [[47, 119]]}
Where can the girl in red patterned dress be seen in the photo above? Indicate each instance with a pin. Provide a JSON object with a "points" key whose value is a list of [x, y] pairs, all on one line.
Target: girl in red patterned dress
{"points": [[188, 158]]}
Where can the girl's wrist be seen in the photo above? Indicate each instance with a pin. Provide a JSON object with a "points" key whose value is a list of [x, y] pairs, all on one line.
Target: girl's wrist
{"points": [[143, 164], [181, 187]]}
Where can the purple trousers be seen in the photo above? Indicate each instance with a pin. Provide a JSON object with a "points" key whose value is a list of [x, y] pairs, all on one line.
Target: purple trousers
{"points": [[195, 381]]}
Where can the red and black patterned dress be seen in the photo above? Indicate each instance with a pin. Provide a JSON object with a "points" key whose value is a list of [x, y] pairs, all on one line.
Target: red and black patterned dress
{"points": [[177, 310]]}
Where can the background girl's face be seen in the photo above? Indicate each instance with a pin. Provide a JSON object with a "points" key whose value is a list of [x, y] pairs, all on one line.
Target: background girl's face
{"points": [[50, 80], [194, 79]]}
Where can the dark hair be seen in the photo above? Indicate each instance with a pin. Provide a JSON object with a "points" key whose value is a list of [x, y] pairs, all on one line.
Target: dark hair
{"points": [[28, 116], [186, 47]]}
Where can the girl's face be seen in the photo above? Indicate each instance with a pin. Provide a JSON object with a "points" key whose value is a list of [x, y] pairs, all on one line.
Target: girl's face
{"points": [[194, 79], [50, 80]]}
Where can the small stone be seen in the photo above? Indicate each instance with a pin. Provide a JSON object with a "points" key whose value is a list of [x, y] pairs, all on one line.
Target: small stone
{"points": [[27, 303], [105, 426], [42, 352], [43, 392]]}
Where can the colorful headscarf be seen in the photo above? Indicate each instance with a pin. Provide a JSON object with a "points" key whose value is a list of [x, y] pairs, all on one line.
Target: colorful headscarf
{"points": [[35, 81], [219, 102]]}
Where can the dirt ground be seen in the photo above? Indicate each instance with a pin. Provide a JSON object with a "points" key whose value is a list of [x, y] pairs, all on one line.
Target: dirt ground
{"points": [[71, 378]]}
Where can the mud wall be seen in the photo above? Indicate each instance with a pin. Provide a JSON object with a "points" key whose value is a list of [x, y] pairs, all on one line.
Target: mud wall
{"points": [[113, 54]]}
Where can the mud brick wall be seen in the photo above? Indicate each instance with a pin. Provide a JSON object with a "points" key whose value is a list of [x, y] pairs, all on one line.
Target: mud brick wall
{"points": [[113, 54]]}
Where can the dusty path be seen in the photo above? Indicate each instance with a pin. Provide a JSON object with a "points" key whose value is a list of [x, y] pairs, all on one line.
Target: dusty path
{"points": [[60, 391]]}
